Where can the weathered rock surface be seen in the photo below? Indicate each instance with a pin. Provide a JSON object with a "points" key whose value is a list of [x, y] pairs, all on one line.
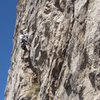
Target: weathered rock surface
{"points": [[64, 58]]}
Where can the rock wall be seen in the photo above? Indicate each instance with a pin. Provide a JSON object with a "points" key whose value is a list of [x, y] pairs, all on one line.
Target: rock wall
{"points": [[64, 58]]}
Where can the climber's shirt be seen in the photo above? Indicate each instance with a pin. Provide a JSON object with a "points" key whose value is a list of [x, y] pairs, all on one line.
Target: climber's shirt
{"points": [[21, 36]]}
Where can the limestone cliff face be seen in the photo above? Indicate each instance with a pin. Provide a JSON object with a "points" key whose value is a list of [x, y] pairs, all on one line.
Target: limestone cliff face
{"points": [[64, 58]]}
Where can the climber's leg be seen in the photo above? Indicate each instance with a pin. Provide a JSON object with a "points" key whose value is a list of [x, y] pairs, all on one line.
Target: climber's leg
{"points": [[23, 56], [27, 47], [26, 52]]}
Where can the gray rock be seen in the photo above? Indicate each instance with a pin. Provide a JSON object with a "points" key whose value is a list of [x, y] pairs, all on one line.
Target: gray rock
{"points": [[64, 58]]}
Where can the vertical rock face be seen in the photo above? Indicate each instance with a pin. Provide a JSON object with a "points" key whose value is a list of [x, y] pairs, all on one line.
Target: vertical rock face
{"points": [[64, 58]]}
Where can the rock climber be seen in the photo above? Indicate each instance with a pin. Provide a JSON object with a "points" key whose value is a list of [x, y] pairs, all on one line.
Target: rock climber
{"points": [[24, 41], [24, 44]]}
